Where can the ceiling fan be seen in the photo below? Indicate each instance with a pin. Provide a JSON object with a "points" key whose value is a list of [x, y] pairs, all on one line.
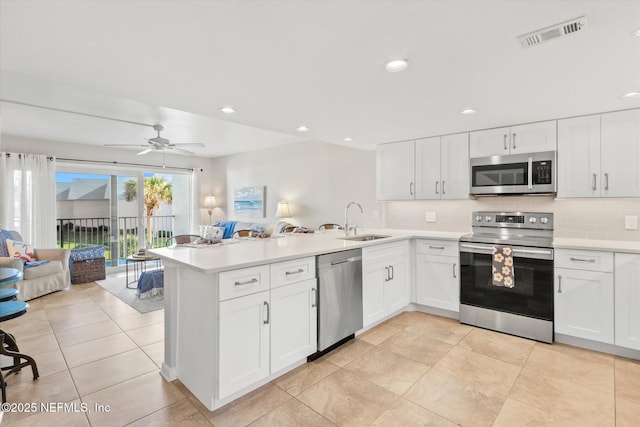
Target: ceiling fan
{"points": [[159, 143]]}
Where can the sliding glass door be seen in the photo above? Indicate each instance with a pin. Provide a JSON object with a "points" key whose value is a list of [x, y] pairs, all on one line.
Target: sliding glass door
{"points": [[107, 210]]}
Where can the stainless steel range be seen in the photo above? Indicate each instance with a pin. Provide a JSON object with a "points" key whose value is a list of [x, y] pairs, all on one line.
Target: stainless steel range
{"points": [[526, 308]]}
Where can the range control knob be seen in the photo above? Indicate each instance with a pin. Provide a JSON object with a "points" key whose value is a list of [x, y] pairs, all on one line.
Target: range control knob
{"points": [[487, 218], [533, 220], [544, 219], [478, 218]]}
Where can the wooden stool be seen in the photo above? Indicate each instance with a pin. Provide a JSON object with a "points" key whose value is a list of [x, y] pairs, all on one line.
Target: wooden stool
{"points": [[9, 347]]}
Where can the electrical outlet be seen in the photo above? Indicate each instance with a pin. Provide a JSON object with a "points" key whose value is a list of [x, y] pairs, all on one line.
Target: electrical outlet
{"points": [[631, 222], [430, 216]]}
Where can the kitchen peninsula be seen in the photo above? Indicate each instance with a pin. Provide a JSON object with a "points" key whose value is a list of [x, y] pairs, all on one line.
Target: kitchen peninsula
{"points": [[221, 308]]}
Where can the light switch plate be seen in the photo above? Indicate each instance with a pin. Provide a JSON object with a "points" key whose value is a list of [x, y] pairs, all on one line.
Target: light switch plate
{"points": [[430, 216], [630, 222]]}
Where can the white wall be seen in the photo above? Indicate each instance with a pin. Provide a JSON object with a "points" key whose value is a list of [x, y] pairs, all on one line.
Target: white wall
{"points": [[317, 179]]}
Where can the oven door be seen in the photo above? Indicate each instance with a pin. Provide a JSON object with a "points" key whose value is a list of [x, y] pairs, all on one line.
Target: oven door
{"points": [[532, 295]]}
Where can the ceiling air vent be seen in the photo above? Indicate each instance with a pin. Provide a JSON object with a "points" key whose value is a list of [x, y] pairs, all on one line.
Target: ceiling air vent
{"points": [[553, 32]]}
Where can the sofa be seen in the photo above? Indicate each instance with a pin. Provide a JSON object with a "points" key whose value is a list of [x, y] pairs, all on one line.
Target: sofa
{"points": [[230, 227], [39, 278]]}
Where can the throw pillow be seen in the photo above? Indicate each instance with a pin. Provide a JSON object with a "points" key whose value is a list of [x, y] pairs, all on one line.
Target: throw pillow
{"points": [[211, 232], [21, 250]]}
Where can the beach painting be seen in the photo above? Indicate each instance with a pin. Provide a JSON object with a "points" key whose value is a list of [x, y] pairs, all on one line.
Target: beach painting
{"points": [[248, 202]]}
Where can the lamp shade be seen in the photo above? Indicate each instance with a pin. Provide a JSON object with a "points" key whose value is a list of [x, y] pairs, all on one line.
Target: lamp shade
{"points": [[283, 210], [209, 202]]}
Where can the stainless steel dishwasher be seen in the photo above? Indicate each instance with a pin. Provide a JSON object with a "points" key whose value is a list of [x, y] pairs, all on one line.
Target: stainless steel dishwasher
{"points": [[340, 297]]}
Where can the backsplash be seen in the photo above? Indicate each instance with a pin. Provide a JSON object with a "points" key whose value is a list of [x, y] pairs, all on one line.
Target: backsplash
{"points": [[601, 218]]}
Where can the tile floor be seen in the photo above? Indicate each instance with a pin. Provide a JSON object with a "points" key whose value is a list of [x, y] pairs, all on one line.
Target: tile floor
{"points": [[414, 369]]}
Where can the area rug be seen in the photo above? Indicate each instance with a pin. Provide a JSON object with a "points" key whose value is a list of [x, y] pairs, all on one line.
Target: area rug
{"points": [[115, 284]]}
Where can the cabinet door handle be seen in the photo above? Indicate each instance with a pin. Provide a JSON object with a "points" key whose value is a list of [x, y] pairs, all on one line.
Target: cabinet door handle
{"points": [[314, 291], [514, 140], [437, 187], [595, 186], [442, 187], [454, 270], [436, 247], [298, 271], [411, 188], [505, 141], [582, 260], [559, 284], [606, 181], [392, 273], [386, 273], [266, 322], [248, 282]]}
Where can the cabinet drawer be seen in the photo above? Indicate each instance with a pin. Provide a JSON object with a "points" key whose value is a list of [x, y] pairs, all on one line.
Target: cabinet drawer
{"points": [[384, 252], [437, 247], [244, 281], [584, 260], [297, 270]]}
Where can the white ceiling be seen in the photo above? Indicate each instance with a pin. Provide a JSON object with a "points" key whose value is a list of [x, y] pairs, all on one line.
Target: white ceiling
{"points": [[319, 63]]}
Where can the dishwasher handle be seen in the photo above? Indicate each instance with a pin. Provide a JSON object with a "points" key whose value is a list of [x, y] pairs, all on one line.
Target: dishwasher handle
{"points": [[344, 261]]}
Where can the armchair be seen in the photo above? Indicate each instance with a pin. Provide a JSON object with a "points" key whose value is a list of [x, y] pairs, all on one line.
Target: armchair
{"points": [[41, 279]]}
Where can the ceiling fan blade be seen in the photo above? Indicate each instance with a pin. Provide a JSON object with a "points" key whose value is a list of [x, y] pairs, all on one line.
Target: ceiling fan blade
{"points": [[148, 150], [190, 144], [179, 150], [125, 145]]}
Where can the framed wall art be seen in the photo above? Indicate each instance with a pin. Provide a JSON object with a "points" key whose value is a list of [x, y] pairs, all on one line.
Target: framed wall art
{"points": [[248, 202]]}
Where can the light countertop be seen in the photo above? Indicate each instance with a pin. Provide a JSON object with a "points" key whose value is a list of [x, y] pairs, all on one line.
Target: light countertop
{"points": [[627, 246], [241, 253]]}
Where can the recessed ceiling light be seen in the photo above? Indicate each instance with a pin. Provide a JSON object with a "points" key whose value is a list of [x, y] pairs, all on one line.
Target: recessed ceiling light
{"points": [[348, 139], [468, 111], [396, 65], [302, 128], [637, 32], [631, 94], [228, 110]]}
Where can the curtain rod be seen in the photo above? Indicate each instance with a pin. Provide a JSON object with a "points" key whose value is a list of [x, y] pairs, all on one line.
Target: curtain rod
{"points": [[122, 163]]}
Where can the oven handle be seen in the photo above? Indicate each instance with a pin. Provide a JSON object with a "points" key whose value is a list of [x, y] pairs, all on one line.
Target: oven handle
{"points": [[530, 174], [525, 253]]}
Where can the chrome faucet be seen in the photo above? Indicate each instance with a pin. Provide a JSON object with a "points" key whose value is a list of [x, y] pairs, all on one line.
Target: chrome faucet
{"points": [[346, 217]]}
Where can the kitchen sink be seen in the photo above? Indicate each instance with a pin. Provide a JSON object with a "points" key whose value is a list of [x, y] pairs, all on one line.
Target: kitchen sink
{"points": [[364, 237]]}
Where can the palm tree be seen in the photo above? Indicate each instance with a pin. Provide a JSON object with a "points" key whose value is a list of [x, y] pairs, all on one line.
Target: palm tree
{"points": [[155, 190]]}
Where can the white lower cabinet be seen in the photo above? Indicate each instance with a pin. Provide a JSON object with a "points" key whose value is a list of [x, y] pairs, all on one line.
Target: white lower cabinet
{"points": [[627, 304], [244, 342], [264, 332], [583, 295], [584, 304], [293, 323], [437, 281], [385, 281]]}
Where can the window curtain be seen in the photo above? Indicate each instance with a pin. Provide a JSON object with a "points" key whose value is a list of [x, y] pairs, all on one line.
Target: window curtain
{"points": [[28, 197]]}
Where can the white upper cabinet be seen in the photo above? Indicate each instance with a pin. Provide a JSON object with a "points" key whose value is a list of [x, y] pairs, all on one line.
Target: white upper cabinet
{"points": [[620, 153], [442, 167], [395, 171], [599, 155], [579, 157], [528, 138]]}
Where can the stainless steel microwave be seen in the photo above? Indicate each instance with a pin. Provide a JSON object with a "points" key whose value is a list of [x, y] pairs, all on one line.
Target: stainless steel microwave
{"points": [[531, 173]]}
